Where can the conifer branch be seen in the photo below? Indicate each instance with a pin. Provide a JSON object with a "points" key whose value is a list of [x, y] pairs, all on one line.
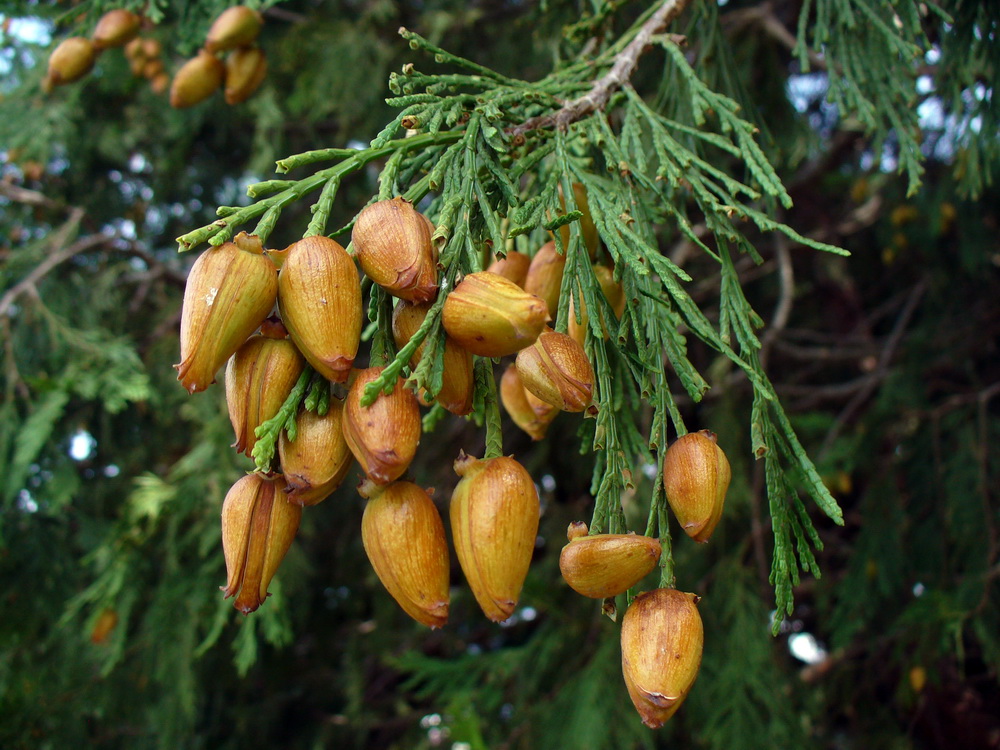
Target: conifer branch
{"points": [[621, 71]]}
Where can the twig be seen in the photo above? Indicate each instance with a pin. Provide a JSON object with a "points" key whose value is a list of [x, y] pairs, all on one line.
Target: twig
{"points": [[783, 310], [27, 197], [622, 69]]}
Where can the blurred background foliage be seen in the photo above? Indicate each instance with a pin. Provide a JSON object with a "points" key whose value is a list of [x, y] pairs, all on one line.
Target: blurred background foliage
{"points": [[113, 631]]}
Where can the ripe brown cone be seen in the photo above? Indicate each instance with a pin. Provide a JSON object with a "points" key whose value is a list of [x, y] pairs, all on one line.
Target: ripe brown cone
{"points": [[662, 640], [457, 383], [116, 28], [606, 565], [245, 71], [319, 297], [197, 80], [556, 370], [492, 316], [393, 245], [259, 377], [494, 522], [615, 295], [383, 436], [545, 276], [404, 540], [527, 411], [258, 527], [317, 461], [234, 27], [696, 477], [513, 266], [229, 292], [70, 61]]}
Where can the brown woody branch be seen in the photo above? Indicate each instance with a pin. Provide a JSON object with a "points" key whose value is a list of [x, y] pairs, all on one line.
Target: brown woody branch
{"points": [[621, 71]]}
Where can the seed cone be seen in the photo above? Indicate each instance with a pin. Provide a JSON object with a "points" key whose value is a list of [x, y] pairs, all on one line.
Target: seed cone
{"points": [[606, 565], [513, 266], [393, 245], [383, 436], [319, 297], [258, 526], [696, 476], [494, 521], [662, 639], [245, 71], [613, 293], [229, 292], [457, 383], [492, 316], [103, 626], [197, 80], [70, 61], [404, 540], [116, 28], [545, 276], [557, 371], [317, 461], [234, 27], [527, 411], [259, 377]]}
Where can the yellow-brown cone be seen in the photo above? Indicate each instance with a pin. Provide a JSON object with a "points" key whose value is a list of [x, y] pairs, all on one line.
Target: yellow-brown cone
{"points": [[494, 522], [513, 266], [545, 276], [557, 371], [393, 245], [229, 292], [70, 61], [116, 28], [606, 565], [259, 378], [319, 459], [404, 540], [245, 71], [615, 295], [587, 227], [197, 80], [662, 640], [319, 296], [383, 436], [696, 476], [528, 412], [457, 384], [492, 316], [258, 526], [234, 27]]}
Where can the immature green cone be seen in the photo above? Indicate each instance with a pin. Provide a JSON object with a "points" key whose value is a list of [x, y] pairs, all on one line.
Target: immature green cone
{"points": [[245, 71], [70, 61], [258, 526], [317, 461], [393, 245], [229, 292], [319, 296], [615, 295], [457, 384], [494, 522], [513, 266], [696, 476], [404, 540], [259, 377], [606, 565], [528, 412], [197, 80], [662, 639], [116, 28], [383, 436], [545, 275], [556, 370], [492, 316], [234, 27]]}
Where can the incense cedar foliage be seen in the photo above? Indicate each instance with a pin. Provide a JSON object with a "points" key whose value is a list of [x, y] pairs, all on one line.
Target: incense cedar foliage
{"points": [[727, 154]]}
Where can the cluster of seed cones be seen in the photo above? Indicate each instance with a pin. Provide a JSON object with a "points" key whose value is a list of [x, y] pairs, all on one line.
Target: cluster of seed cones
{"points": [[269, 314], [233, 32]]}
